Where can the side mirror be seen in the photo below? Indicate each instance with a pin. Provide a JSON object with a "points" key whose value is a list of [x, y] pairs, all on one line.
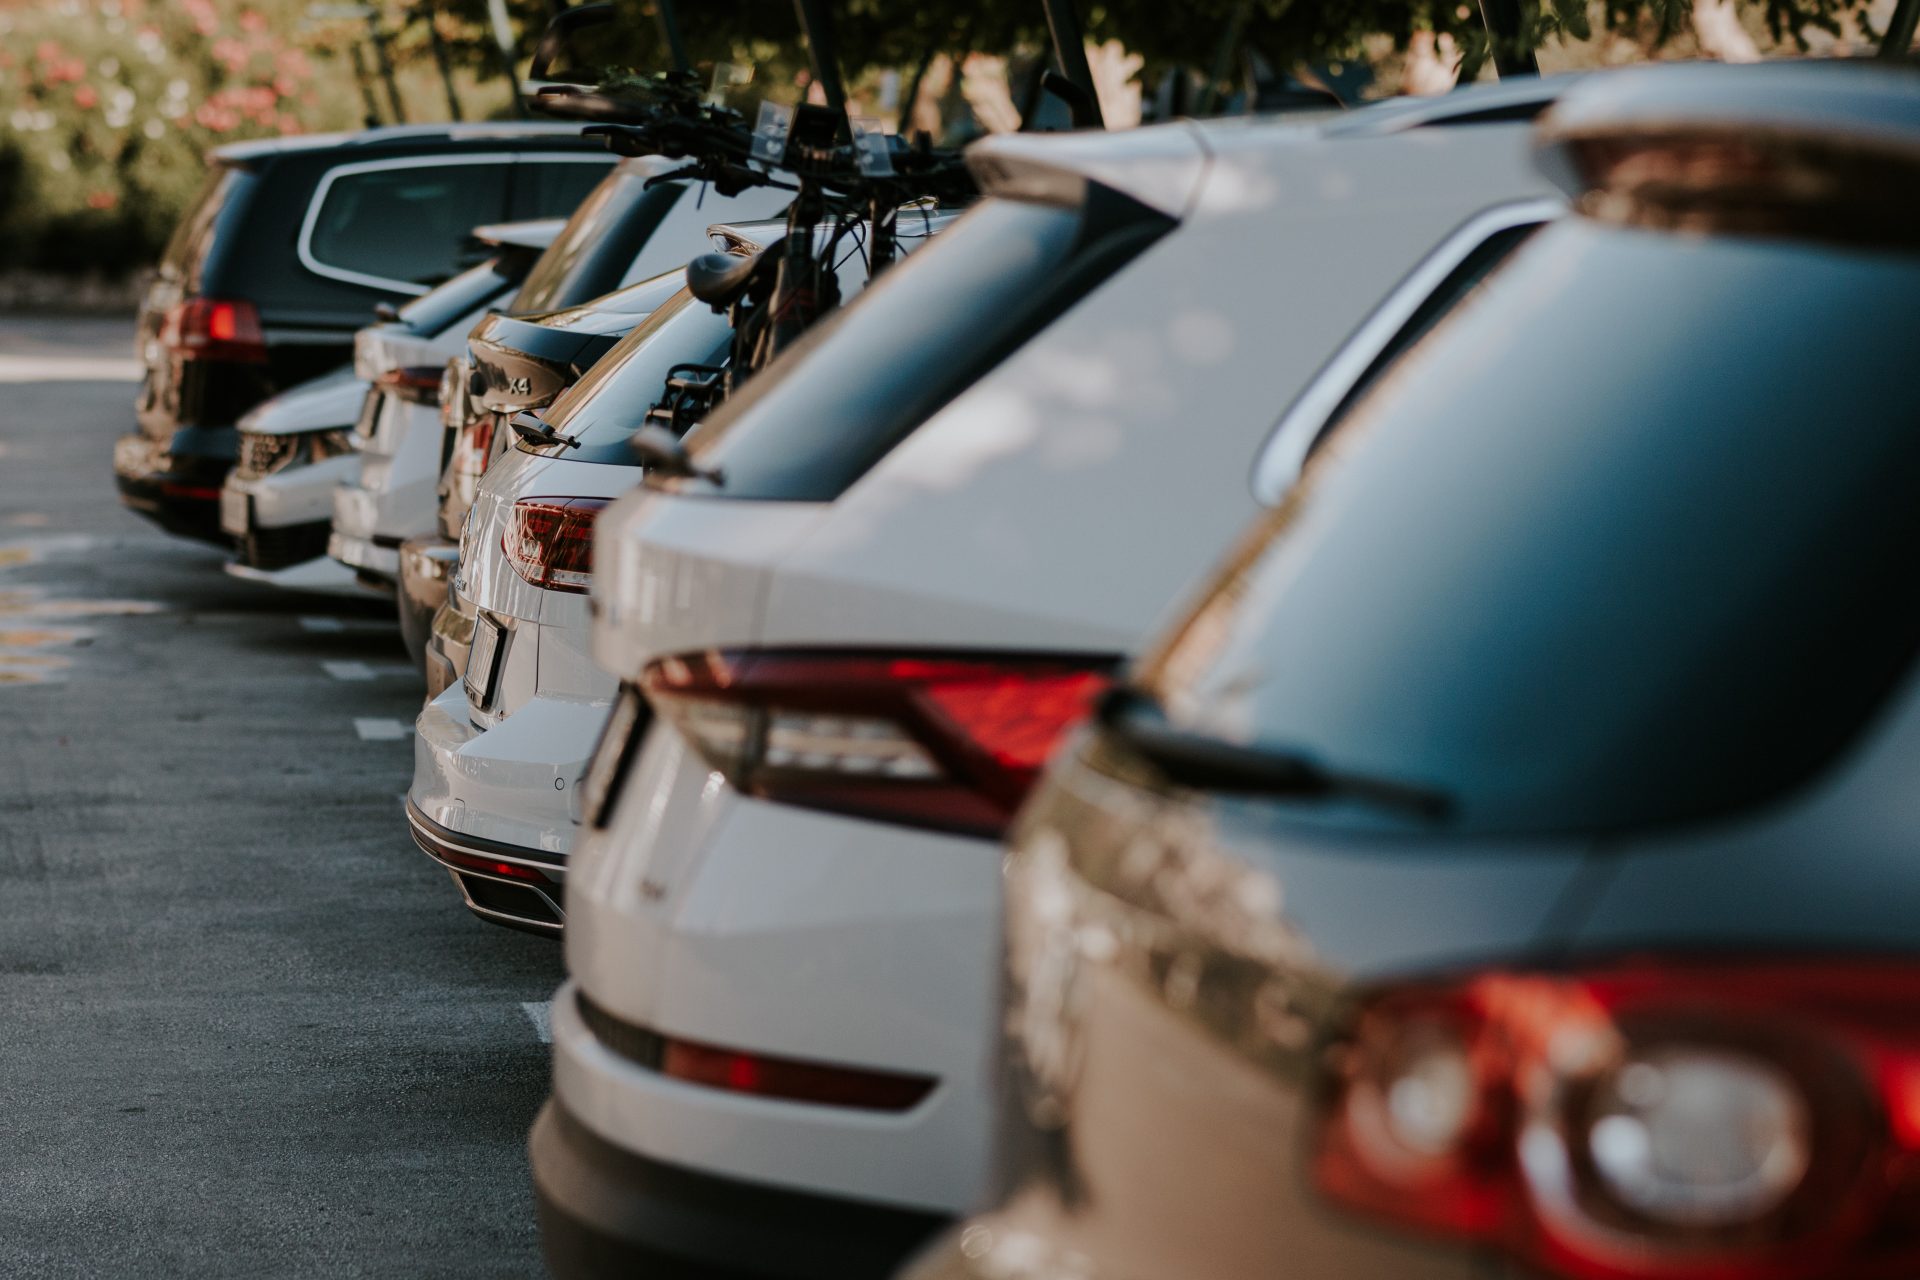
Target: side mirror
{"points": [[660, 450]]}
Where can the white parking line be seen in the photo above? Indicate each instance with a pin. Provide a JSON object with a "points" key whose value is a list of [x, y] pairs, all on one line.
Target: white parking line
{"points": [[347, 670], [67, 369], [372, 729], [540, 1014]]}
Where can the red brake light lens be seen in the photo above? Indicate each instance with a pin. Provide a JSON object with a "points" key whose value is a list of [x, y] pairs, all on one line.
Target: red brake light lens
{"points": [[215, 329], [793, 1081], [946, 742], [419, 384], [1647, 1122], [474, 445], [549, 541]]}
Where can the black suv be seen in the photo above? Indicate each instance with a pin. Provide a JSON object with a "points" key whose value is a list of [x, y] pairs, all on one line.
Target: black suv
{"points": [[290, 248]]}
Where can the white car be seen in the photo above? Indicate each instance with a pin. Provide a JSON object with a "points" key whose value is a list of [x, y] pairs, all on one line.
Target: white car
{"points": [[623, 232], [277, 502], [499, 755], [845, 657]]}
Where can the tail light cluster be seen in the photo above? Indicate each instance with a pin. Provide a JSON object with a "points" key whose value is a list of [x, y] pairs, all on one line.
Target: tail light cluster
{"points": [[416, 385], [549, 541], [1655, 1122], [215, 329], [474, 445], [945, 742]]}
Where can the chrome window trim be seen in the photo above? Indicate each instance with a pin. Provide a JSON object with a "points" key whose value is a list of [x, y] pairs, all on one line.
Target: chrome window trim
{"points": [[1284, 454], [304, 246]]}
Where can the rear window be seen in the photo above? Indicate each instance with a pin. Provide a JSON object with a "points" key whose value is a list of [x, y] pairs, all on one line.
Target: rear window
{"points": [[599, 243], [215, 209], [403, 223], [611, 402], [869, 375], [463, 295], [1628, 541], [553, 188]]}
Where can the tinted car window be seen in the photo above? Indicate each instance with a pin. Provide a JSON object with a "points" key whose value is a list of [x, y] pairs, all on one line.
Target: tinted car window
{"points": [[598, 245], [831, 407], [1630, 540], [462, 295], [549, 188], [408, 223], [193, 240], [611, 402]]}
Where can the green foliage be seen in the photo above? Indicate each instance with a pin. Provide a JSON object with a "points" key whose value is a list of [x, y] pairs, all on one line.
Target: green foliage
{"points": [[108, 106]]}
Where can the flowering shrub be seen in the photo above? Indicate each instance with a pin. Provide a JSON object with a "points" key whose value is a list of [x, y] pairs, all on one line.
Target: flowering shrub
{"points": [[108, 107]]}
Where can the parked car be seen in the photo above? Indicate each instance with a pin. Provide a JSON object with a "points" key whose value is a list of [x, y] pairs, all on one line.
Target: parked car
{"points": [[513, 365], [1506, 865], [288, 250], [914, 558], [622, 233], [277, 503], [498, 756]]}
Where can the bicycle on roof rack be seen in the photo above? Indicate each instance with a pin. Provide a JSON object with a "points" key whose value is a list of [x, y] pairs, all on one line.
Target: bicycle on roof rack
{"points": [[849, 183]]}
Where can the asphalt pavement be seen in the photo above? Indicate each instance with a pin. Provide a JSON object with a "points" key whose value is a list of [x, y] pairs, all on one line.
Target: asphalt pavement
{"points": [[248, 1030]]}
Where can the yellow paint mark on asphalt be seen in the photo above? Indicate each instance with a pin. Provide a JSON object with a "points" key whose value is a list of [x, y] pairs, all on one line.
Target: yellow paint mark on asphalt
{"points": [[78, 608], [27, 638], [10, 556]]}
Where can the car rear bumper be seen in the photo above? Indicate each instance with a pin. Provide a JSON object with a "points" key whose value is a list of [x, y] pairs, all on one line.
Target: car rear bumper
{"points": [[606, 1212], [427, 566], [501, 883], [177, 485], [366, 556], [506, 791]]}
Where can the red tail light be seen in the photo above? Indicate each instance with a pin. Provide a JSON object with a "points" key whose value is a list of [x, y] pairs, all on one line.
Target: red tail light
{"points": [[420, 384], [212, 329], [494, 867], [1652, 1122], [952, 743], [474, 445], [791, 1080], [549, 541]]}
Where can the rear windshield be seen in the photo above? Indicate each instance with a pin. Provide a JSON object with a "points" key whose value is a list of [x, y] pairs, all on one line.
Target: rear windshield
{"points": [[212, 212], [599, 243], [611, 402], [867, 377], [463, 295], [1630, 540]]}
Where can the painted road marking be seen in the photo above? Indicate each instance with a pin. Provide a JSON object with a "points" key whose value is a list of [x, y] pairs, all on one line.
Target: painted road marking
{"points": [[352, 669], [540, 1014], [67, 369], [322, 624], [372, 729]]}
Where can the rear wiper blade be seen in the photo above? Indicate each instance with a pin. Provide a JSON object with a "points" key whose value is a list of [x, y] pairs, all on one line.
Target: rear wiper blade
{"points": [[528, 427], [1210, 764]]}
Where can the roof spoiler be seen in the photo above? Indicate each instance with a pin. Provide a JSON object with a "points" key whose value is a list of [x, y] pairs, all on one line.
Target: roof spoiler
{"points": [[1820, 150]]}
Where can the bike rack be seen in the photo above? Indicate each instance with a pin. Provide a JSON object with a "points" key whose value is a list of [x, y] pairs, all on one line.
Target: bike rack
{"points": [[1502, 20]]}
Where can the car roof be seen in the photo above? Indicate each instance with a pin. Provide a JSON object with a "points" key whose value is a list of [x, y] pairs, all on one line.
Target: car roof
{"points": [[413, 137], [1161, 166]]}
